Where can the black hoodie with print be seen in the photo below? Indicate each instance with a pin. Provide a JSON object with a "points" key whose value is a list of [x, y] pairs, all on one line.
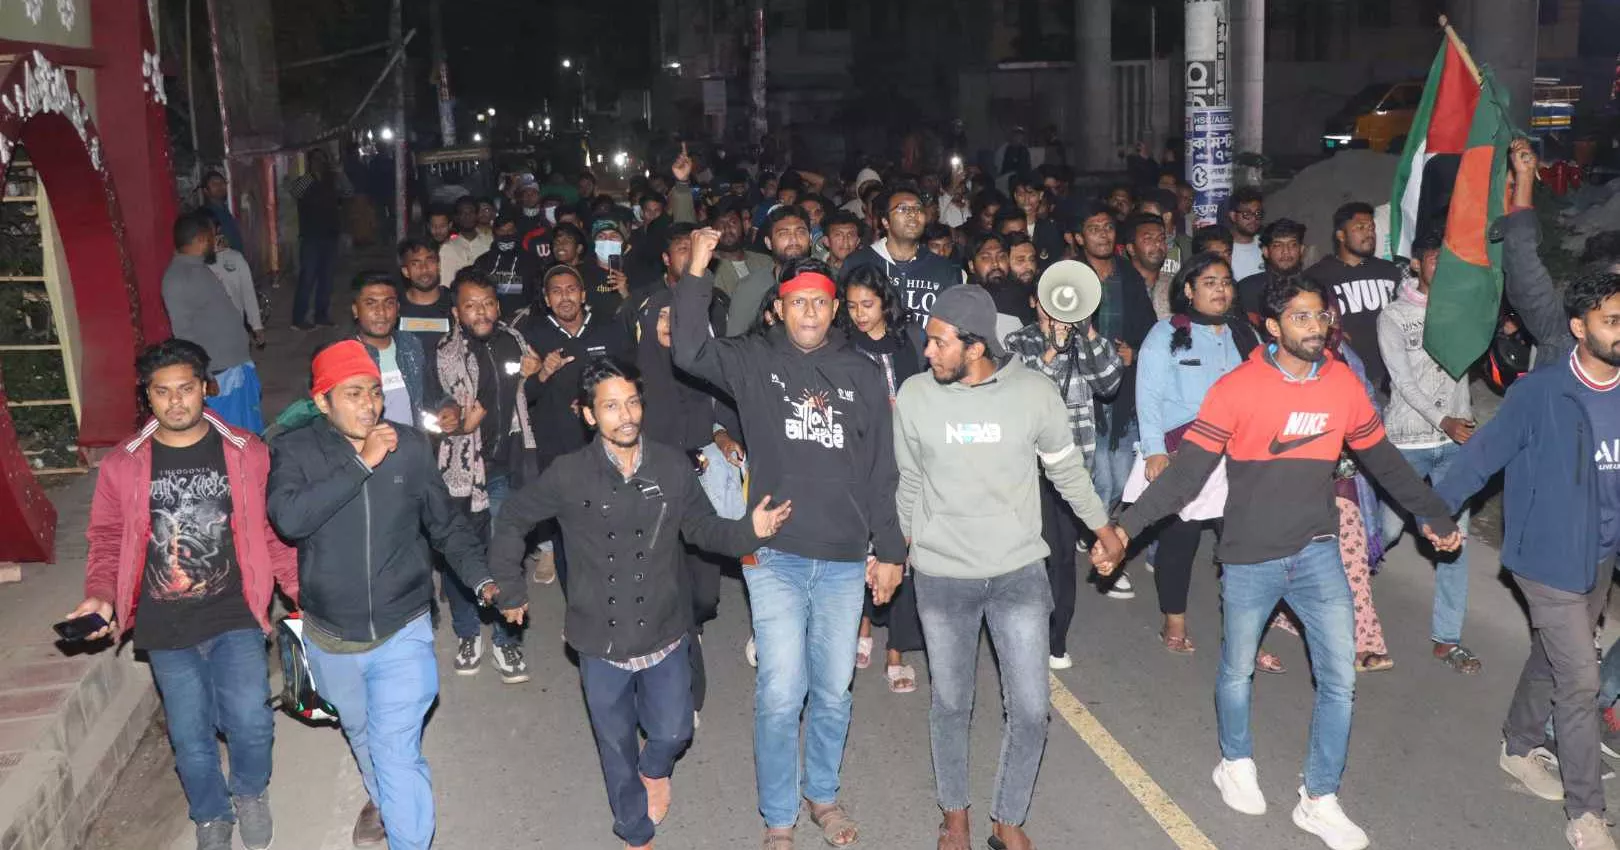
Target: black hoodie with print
{"points": [[515, 273], [818, 426]]}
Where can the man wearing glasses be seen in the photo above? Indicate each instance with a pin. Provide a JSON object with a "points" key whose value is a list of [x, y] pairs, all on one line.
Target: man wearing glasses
{"points": [[1281, 420], [918, 274], [1247, 214]]}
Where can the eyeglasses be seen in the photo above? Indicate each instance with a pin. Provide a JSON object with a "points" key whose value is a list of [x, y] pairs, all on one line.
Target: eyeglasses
{"points": [[907, 209], [1304, 319], [1251, 215]]}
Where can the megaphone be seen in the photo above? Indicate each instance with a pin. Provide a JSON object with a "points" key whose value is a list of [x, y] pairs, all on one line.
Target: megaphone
{"points": [[1069, 291]]}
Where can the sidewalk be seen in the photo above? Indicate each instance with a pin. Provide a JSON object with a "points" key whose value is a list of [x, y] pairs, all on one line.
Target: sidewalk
{"points": [[71, 717]]}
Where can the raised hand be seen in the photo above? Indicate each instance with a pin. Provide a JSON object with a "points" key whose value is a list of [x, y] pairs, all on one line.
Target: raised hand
{"points": [[682, 167], [704, 241], [554, 361]]}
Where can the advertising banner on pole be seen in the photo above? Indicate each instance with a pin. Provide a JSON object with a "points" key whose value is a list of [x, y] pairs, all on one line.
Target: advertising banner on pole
{"points": [[1209, 161]]}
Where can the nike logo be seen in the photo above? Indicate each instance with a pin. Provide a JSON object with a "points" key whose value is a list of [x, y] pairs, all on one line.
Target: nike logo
{"points": [[1282, 446]]}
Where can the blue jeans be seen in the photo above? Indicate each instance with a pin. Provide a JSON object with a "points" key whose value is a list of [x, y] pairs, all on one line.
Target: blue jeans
{"points": [[1016, 607], [1114, 465], [382, 697], [621, 702], [1313, 583], [466, 615], [220, 686], [317, 258], [806, 615], [1451, 574]]}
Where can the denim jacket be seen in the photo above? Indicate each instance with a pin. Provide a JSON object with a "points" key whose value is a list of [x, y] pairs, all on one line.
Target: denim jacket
{"points": [[1170, 387]]}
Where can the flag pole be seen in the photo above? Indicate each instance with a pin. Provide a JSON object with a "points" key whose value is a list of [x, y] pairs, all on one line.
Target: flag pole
{"points": [[1462, 49]]}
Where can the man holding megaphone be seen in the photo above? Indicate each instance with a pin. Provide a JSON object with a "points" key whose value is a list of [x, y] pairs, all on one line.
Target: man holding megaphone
{"points": [[1064, 345]]}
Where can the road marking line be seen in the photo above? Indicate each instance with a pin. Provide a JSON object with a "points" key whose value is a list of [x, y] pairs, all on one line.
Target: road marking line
{"points": [[1128, 770]]}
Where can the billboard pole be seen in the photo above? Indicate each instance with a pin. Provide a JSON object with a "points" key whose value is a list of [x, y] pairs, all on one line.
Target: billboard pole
{"points": [[1208, 153]]}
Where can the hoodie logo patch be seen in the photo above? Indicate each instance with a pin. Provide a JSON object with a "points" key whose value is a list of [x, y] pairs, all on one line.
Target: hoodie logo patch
{"points": [[815, 420], [969, 433]]}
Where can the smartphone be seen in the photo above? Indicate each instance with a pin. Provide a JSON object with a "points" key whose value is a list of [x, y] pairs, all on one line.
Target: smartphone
{"points": [[80, 628], [616, 263]]}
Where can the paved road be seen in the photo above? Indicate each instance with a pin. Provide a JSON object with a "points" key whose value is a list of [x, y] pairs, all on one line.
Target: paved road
{"points": [[1127, 764]]}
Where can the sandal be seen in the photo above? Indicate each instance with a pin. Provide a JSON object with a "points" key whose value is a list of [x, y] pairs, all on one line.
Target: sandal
{"points": [[835, 824], [1267, 662], [658, 798], [1460, 659], [1373, 662], [902, 678], [1179, 645], [777, 840], [863, 653]]}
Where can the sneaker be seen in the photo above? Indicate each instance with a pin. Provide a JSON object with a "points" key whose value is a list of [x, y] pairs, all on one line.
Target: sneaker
{"points": [[214, 835], [1589, 832], [696, 721], [1539, 775], [1611, 733], [1323, 818], [1122, 589], [1546, 757], [1239, 782], [543, 566], [750, 653], [1060, 662], [509, 661], [468, 654], [253, 821], [368, 827]]}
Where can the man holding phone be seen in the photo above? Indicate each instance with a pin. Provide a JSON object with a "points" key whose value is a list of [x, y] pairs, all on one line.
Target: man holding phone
{"points": [[179, 531]]}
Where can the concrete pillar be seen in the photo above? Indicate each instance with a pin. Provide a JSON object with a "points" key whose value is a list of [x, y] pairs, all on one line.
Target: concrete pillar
{"points": [[1092, 124], [1249, 73], [1502, 34]]}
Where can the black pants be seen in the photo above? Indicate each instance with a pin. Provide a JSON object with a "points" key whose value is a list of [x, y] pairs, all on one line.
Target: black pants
{"points": [[1060, 528], [1172, 569], [704, 569]]}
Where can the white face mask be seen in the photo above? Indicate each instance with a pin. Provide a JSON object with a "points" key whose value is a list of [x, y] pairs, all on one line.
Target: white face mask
{"points": [[551, 215], [607, 249]]}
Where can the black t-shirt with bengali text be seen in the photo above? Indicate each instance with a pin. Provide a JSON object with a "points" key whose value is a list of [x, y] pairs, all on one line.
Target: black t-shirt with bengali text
{"points": [[426, 322], [191, 586]]}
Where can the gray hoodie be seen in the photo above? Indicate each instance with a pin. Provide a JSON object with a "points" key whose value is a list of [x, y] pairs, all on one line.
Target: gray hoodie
{"points": [[969, 497]]}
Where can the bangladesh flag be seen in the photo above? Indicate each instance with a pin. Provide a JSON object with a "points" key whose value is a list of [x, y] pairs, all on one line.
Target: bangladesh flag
{"points": [[1466, 295], [1439, 130]]}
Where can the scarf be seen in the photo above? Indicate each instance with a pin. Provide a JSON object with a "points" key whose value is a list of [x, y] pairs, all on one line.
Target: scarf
{"points": [[461, 456], [1243, 335]]}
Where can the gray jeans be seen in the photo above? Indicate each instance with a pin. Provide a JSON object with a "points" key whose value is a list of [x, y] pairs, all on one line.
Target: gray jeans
{"points": [[1016, 606], [1560, 680]]}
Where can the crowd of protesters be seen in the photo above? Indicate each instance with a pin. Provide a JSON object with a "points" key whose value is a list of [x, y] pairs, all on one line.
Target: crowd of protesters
{"points": [[854, 388]]}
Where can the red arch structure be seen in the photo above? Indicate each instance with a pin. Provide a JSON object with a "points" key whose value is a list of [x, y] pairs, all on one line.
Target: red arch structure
{"points": [[40, 109]]}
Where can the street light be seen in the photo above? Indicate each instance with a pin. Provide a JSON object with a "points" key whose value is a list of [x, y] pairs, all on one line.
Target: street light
{"points": [[480, 116], [568, 63], [478, 137], [531, 123], [492, 112], [386, 134], [620, 160]]}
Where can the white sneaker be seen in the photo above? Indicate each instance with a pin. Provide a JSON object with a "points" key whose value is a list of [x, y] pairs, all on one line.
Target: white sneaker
{"points": [[751, 653], [1060, 662], [469, 652], [696, 721], [1589, 832], [1324, 819], [1122, 589], [509, 661], [1239, 782]]}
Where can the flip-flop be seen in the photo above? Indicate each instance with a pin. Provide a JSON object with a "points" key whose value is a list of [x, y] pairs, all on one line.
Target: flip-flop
{"points": [[863, 653], [1267, 662], [902, 678], [834, 821], [1179, 645], [1373, 662]]}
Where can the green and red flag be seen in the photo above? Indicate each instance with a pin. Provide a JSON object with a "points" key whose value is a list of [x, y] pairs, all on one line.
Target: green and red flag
{"points": [[1465, 297], [1439, 128]]}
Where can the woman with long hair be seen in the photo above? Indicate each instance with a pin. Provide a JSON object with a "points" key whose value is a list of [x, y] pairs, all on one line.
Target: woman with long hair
{"points": [[878, 326], [1182, 357]]}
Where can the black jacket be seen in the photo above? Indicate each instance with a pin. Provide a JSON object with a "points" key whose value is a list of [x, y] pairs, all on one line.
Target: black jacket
{"points": [[515, 273], [818, 424], [364, 566], [559, 430], [629, 589], [1127, 284], [681, 410], [500, 389]]}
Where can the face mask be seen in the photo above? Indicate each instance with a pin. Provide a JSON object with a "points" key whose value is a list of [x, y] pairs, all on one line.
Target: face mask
{"points": [[506, 245], [551, 215], [606, 249]]}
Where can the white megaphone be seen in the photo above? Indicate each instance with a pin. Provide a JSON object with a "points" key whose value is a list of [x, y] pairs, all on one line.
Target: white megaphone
{"points": [[1069, 291]]}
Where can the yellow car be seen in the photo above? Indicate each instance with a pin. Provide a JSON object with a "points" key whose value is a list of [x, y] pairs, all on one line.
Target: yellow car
{"points": [[1378, 118]]}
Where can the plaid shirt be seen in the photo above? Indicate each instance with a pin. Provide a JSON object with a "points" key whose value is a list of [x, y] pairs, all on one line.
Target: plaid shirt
{"points": [[1091, 367], [643, 662]]}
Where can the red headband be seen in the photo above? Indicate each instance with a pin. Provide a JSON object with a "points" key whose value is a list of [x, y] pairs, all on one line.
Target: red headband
{"points": [[340, 362], [809, 280]]}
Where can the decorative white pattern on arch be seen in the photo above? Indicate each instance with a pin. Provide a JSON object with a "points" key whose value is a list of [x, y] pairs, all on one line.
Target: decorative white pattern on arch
{"points": [[67, 12], [45, 89]]}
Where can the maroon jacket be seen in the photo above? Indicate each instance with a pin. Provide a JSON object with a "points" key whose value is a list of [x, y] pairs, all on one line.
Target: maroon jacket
{"points": [[121, 524]]}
